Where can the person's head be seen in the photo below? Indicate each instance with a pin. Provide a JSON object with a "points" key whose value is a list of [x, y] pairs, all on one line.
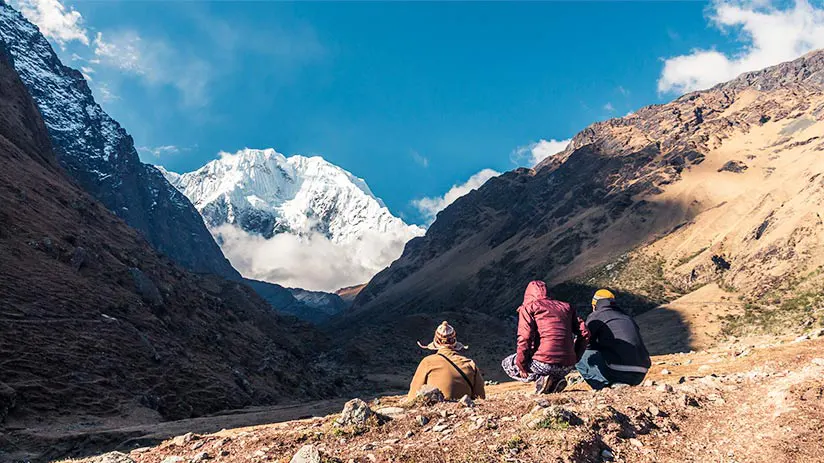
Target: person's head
{"points": [[535, 290], [445, 338], [602, 295]]}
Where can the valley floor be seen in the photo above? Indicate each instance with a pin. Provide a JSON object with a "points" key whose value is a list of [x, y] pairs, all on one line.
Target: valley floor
{"points": [[744, 402]]}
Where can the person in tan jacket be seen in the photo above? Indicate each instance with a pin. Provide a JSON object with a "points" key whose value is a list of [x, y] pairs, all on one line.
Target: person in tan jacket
{"points": [[452, 373]]}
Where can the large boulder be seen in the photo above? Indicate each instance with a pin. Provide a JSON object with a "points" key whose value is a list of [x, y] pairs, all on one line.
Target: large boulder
{"points": [[429, 395], [355, 413], [8, 398], [146, 288], [307, 454]]}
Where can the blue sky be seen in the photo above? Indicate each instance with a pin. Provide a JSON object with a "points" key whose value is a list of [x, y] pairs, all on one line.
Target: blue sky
{"points": [[413, 97]]}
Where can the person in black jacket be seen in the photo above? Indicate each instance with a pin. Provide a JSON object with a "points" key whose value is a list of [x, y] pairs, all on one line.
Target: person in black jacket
{"points": [[616, 352]]}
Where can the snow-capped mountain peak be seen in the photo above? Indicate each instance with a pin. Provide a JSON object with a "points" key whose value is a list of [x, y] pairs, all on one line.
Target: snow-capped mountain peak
{"points": [[261, 194]]}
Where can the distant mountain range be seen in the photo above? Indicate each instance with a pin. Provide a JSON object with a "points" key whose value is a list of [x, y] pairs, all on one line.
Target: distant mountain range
{"points": [[298, 221]]}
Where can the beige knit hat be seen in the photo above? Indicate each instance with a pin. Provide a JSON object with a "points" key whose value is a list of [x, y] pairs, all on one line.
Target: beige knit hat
{"points": [[445, 337]]}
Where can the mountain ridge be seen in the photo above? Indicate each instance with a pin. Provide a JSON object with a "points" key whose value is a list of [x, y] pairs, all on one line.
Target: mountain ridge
{"points": [[673, 194], [100, 155]]}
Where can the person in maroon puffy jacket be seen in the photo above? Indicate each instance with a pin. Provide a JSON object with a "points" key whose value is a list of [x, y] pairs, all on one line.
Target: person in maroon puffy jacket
{"points": [[547, 349]]}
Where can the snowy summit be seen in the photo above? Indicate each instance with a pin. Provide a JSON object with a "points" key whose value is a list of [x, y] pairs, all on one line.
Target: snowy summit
{"points": [[270, 212]]}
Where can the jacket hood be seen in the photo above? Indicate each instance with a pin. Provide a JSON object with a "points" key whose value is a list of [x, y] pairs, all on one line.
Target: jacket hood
{"points": [[535, 291]]}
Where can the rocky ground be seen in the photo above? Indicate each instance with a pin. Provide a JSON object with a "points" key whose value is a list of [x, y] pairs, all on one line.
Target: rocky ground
{"points": [[744, 402]]}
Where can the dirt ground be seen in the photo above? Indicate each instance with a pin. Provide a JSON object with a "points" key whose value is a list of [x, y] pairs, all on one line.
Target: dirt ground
{"points": [[754, 401]]}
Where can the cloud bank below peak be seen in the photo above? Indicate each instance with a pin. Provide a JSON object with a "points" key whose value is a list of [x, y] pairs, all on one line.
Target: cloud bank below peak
{"points": [[769, 34]]}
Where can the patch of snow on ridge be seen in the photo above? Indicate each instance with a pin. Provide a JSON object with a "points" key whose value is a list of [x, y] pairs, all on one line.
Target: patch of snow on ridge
{"points": [[296, 221]]}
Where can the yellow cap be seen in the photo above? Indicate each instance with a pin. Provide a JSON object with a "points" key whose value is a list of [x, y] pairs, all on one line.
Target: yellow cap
{"points": [[602, 294]]}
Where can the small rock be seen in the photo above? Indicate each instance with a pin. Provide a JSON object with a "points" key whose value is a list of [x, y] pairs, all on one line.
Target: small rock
{"points": [[817, 333], [542, 402], [391, 412], [259, 453], [111, 457], [180, 441], [198, 445], [466, 402], [607, 455], [367, 447], [654, 411], [355, 413], [618, 385], [391, 441], [306, 454], [408, 434], [636, 442], [201, 457], [173, 459], [649, 383], [429, 395], [440, 427], [422, 420], [665, 388], [371, 457], [665, 371], [818, 361], [539, 416], [682, 380], [704, 369], [79, 258], [802, 338]]}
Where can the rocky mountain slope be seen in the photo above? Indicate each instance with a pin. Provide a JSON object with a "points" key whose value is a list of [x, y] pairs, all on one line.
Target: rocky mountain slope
{"points": [[740, 403], [100, 156], [723, 185], [256, 194], [97, 326]]}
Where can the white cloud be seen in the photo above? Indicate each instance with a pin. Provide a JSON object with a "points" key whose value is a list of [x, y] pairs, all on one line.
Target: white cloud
{"points": [[430, 206], [55, 21], [420, 159], [87, 72], [105, 94], [313, 262], [609, 108], [770, 35], [158, 151], [155, 63], [534, 153]]}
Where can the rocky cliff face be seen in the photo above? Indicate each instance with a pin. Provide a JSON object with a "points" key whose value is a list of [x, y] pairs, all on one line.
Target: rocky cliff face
{"points": [[723, 185], [100, 156], [94, 322]]}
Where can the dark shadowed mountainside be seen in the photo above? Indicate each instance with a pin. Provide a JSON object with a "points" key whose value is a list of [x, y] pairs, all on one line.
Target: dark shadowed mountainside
{"points": [[100, 156], [96, 325]]}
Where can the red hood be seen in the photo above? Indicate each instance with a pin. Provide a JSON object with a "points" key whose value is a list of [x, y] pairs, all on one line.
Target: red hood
{"points": [[535, 291]]}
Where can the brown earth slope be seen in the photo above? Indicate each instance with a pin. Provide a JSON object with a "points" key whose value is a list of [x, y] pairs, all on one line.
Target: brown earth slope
{"points": [[95, 325], [723, 185], [741, 403]]}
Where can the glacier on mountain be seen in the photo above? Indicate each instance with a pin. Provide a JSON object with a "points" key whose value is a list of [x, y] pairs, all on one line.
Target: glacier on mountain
{"points": [[297, 221]]}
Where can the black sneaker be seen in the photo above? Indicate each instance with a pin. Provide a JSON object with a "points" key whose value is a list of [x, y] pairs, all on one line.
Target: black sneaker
{"points": [[560, 385]]}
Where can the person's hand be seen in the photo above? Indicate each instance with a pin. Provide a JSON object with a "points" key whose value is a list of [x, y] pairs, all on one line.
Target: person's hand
{"points": [[522, 373]]}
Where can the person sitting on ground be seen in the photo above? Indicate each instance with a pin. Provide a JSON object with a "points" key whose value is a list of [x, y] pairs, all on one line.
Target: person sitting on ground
{"points": [[452, 373], [546, 349], [616, 352]]}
